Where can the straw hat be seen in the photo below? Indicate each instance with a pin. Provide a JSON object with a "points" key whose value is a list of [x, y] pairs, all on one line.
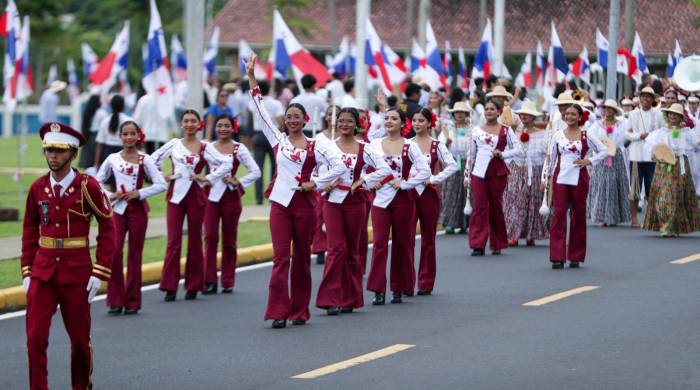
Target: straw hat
{"points": [[693, 99], [675, 108], [499, 91], [564, 98], [529, 108], [230, 87], [648, 90], [627, 102], [613, 104], [57, 86], [461, 107], [663, 153]]}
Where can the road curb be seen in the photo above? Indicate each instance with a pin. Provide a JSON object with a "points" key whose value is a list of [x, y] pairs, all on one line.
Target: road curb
{"points": [[13, 298]]}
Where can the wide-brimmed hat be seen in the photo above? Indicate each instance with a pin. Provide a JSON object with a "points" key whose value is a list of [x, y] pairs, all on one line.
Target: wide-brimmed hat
{"points": [[461, 107], [529, 108], [230, 87], [613, 104], [648, 90], [564, 98], [693, 99], [675, 108], [627, 102], [499, 91], [57, 86]]}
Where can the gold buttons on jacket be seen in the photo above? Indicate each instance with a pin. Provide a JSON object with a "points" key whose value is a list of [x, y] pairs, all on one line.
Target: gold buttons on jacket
{"points": [[58, 224], [58, 258], [58, 207]]}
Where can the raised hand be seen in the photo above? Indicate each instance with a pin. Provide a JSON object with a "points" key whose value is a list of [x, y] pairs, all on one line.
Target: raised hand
{"points": [[380, 98], [250, 64]]}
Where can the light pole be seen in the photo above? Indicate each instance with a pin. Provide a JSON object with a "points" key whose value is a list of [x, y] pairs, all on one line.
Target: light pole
{"points": [[361, 67]]}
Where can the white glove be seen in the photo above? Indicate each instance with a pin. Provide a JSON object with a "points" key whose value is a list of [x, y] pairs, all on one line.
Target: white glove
{"points": [[25, 284], [93, 285]]}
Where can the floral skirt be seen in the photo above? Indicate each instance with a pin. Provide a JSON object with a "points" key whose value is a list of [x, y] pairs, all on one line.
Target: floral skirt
{"points": [[453, 198], [672, 207], [608, 198], [521, 204]]}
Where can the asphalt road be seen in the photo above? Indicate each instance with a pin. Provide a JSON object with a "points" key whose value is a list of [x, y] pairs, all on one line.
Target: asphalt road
{"points": [[638, 330]]}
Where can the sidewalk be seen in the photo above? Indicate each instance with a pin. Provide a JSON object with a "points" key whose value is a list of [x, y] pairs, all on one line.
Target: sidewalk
{"points": [[10, 247]]}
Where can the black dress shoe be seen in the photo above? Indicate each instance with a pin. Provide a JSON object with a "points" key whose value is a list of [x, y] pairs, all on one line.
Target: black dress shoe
{"points": [[346, 310], [496, 252], [332, 311], [130, 311], [279, 324], [408, 294], [210, 289], [378, 299], [477, 252], [298, 322], [396, 298], [423, 292], [190, 295], [115, 310], [321, 258], [227, 290], [557, 265], [574, 264], [170, 296]]}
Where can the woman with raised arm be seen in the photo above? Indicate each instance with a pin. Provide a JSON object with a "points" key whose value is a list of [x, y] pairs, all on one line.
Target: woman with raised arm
{"points": [[224, 203], [292, 216], [130, 167], [345, 213], [394, 207], [569, 151]]}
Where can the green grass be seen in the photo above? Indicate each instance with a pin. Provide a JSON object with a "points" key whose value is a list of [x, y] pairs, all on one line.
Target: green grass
{"points": [[10, 189], [249, 234]]}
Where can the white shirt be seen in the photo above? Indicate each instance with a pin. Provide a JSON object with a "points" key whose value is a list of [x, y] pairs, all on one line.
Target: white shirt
{"points": [[153, 125], [100, 115], [568, 152], [47, 107], [640, 122], [126, 175], [216, 159], [346, 100], [290, 160], [372, 159], [314, 105], [387, 192], [483, 145], [184, 163], [274, 109], [64, 183], [335, 87], [104, 136], [321, 138], [460, 138], [447, 161], [618, 135], [534, 152]]}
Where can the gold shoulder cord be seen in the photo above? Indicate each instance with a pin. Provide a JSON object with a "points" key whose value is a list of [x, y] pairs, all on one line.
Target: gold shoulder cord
{"points": [[85, 196]]}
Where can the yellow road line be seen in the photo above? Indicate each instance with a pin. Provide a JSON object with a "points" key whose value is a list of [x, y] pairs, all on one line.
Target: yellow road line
{"points": [[688, 259], [561, 295], [354, 361]]}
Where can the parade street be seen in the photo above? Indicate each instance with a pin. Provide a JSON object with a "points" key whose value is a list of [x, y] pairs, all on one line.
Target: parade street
{"points": [[633, 325]]}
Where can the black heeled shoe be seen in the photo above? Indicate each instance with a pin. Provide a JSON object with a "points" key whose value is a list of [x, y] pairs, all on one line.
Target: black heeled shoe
{"points": [[115, 310], [558, 265], [191, 295], [210, 289], [574, 264], [298, 322], [423, 292], [496, 252], [321, 258], [378, 299], [227, 290], [170, 296], [332, 311], [396, 297], [477, 252], [346, 310], [279, 324], [128, 312]]}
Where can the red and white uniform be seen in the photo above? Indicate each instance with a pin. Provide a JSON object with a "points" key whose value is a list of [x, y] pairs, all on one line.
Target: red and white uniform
{"points": [[319, 242], [292, 216], [570, 188], [428, 210], [394, 209], [346, 217], [131, 217], [224, 204]]}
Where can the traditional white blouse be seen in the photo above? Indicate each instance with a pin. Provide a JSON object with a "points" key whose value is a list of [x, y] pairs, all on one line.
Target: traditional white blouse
{"points": [[321, 138], [459, 147], [386, 193], [534, 152], [184, 163], [449, 166], [371, 159], [617, 135], [126, 176], [685, 145], [216, 159], [568, 152], [290, 160], [483, 145], [639, 122]]}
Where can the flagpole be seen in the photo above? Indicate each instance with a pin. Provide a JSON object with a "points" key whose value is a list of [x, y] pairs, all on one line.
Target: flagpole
{"points": [[611, 84], [21, 150], [361, 68], [194, 42]]}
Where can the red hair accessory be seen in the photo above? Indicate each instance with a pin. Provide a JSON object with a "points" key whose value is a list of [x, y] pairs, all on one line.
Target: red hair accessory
{"points": [[609, 129], [406, 128], [433, 120], [306, 117], [524, 137], [584, 118], [201, 125], [142, 137], [365, 121], [235, 126]]}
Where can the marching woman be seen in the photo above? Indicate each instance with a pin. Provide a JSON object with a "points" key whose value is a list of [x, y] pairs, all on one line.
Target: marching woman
{"points": [[442, 166], [487, 174], [569, 151], [345, 212], [292, 216], [672, 207], [608, 202], [129, 167], [362, 136], [394, 207], [186, 196], [457, 137], [224, 202], [523, 195]]}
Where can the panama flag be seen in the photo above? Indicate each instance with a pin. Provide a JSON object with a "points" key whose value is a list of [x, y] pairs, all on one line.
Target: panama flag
{"points": [[178, 59], [395, 65], [638, 54], [6, 17], [462, 78], [290, 54], [23, 70], [581, 68], [484, 54], [670, 66], [602, 45], [339, 60], [677, 56], [434, 71], [90, 59], [211, 53], [105, 74], [379, 69], [524, 78], [540, 66], [448, 72], [73, 83], [12, 36], [559, 63], [244, 50], [418, 61], [156, 76]]}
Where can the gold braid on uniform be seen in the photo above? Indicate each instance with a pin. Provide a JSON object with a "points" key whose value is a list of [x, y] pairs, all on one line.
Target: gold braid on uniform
{"points": [[85, 196]]}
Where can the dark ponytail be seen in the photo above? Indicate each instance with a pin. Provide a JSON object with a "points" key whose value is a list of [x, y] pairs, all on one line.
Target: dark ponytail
{"points": [[117, 104]]}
